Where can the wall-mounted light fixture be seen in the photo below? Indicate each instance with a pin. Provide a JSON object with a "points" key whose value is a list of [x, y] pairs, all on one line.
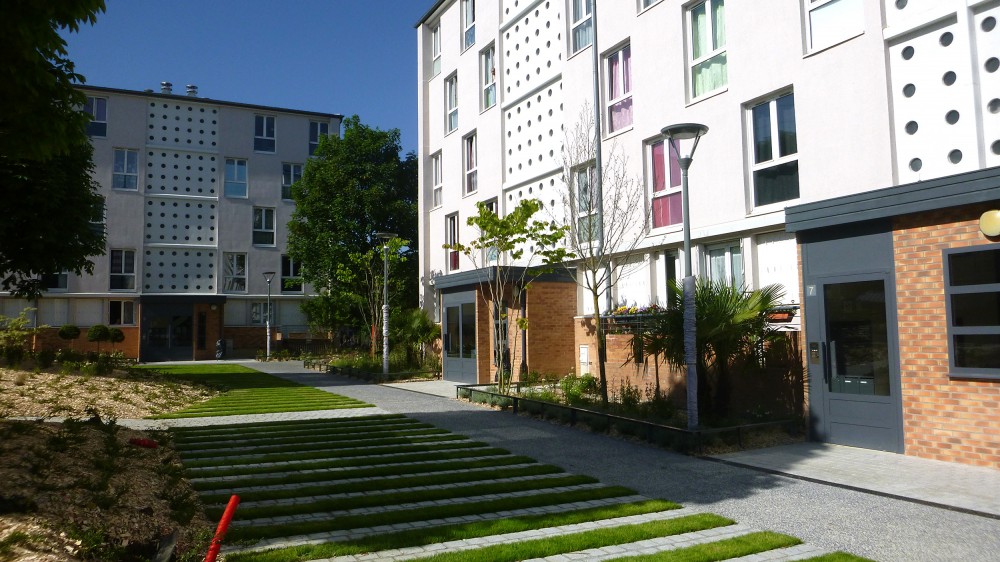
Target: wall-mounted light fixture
{"points": [[989, 223]]}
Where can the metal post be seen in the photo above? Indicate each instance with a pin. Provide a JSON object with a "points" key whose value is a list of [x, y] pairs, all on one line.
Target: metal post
{"points": [[385, 310], [268, 276]]}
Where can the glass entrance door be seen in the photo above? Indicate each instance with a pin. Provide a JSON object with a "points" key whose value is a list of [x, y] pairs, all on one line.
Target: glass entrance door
{"points": [[857, 338], [460, 341]]}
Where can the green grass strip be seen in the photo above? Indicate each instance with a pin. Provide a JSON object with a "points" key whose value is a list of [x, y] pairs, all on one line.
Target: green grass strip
{"points": [[725, 549], [301, 452], [366, 457], [424, 513], [364, 470], [390, 499], [238, 447], [390, 483], [837, 557], [445, 533], [305, 433], [270, 427]]}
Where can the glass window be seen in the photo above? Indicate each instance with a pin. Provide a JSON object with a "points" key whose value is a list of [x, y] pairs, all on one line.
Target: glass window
{"points": [[451, 103], [263, 226], [55, 282], [121, 313], [97, 108], [263, 133], [122, 269], [290, 173], [832, 21], [258, 312], [236, 177], [972, 290], [665, 185], [468, 23], [619, 89], [436, 51], [725, 264], [587, 227], [707, 47], [491, 254], [775, 165], [470, 164], [451, 237], [317, 130], [125, 174], [643, 4], [583, 26], [234, 270], [291, 275], [436, 179], [488, 71]]}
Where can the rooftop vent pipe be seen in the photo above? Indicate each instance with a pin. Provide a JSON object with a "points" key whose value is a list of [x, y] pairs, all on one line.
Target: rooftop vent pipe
{"points": [[192, 90], [166, 88]]}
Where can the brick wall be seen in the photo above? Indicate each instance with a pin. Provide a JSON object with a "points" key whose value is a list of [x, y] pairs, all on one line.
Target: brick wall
{"points": [[48, 338], [943, 418], [246, 340], [550, 310]]}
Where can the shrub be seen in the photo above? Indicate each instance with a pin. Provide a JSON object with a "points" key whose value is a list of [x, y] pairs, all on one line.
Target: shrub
{"points": [[45, 358], [98, 333], [69, 332], [115, 335]]}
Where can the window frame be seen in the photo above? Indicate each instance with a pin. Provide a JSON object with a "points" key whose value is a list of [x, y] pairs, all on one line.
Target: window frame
{"points": [[468, 21], [125, 175], [954, 371], [623, 73], [259, 313], [291, 275], [288, 173], [671, 178], [809, 7], [714, 51], [437, 181], [581, 20], [776, 147], [97, 108], [124, 318], [451, 104], [231, 273], [235, 182], [262, 141], [61, 284], [263, 227], [491, 254], [124, 273], [452, 235], [317, 130], [727, 246], [436, 50], [488, 77], [590, 212], [470, 164], [647, 4]]}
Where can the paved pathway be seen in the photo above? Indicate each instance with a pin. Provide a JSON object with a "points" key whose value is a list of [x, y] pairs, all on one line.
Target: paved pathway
{"points": [[827, 517]]}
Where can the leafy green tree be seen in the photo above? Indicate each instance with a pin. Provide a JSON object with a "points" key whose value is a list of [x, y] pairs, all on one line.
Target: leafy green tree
{"points": [[516, 238], [732, 327], [45, 155], [115, 336], [98, 333], [69, 332], [356, 185], [14, 335], [413, 329]]}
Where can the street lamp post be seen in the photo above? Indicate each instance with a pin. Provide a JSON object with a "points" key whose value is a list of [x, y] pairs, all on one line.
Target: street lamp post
{"points": [[268, 276], [385, 236], [675, 134]]}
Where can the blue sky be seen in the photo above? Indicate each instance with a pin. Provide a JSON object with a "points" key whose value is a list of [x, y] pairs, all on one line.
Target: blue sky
{"points": [[337, 56]]}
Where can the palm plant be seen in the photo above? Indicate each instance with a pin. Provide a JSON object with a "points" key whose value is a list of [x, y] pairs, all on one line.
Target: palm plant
{"points": [[732, 328]]}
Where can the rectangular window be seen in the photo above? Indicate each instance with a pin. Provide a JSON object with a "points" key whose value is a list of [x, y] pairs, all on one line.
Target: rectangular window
{"points": [[619, 89], [236, 177], [121, 313], [263, 226], [775, 165], [126, 169], [290, 173], [451, 237], [291, 275], [831, 21], [436, 51], [451, 103], [707, 24], [643, 4], [258, 312], [436, 179], [471, 184], [665, 185], [972, 290], [583, 25], [317, 130], [263, 133], [55, 282], [122, 270], [587, 207], [491, 254], [468, 23], [488, 72], [234, 271], [725, 264], [97, 108]]}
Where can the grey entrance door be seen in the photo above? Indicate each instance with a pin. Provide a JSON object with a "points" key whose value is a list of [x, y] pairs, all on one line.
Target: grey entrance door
{"points": [[459, 328], [854, 386], [167, 333]]}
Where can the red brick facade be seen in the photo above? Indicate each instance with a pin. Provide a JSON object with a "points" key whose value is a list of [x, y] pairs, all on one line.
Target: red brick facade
{"points": [[943, 418]]}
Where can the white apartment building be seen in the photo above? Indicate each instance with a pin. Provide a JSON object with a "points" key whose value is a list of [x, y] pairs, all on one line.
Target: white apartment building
{"points": [[197, 196], [806, 101]]}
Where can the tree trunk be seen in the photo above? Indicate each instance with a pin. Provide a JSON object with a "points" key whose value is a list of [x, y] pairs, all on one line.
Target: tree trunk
{"points": [[601, 345]]}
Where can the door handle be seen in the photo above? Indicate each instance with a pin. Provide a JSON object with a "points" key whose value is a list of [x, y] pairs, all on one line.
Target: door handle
{"points": [[826, 364], [832, 352]]}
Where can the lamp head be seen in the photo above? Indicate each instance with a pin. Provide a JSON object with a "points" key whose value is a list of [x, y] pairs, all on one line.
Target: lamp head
{"points": [[684, 131], [268, 276], [385, 235]]}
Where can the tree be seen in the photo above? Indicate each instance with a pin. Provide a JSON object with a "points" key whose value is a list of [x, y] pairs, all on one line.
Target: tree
{"points": [[517, 238], [45, 154], [98, 333], [606, 225], [356, 186], [69, 333], [115, 336]]}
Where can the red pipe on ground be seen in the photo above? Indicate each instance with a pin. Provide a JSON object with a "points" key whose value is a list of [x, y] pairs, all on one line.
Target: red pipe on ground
{"points": [[220, 532]]}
